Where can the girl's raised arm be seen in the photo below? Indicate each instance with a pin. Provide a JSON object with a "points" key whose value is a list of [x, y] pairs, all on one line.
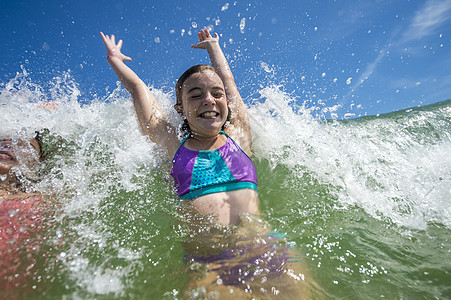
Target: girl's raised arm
{"points": [[239, 127], [150, 115]]}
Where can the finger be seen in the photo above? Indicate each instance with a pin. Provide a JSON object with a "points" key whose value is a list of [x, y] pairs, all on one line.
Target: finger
{"points": [[119, 44], [126, 58], [207, 33], [113, 39], [103, 37], [216, 35], [200, 36], [202, 33]]}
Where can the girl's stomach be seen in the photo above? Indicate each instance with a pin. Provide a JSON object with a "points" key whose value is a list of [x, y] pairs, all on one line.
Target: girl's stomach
{"points": [[226, 207]]}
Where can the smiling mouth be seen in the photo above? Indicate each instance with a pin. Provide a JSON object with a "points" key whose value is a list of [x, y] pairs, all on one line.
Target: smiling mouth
{"points": [[5, 156], [209, 115]]}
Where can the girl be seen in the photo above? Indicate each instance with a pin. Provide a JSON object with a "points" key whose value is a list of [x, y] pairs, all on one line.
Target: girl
{"points": [[22, 217], [212, 168], [212, 165]]}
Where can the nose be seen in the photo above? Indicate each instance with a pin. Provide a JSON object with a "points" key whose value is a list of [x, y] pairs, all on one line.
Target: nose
{"points": [[209, 99]]}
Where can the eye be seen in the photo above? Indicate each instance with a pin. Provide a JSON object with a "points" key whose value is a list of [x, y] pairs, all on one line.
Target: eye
{"points": [[218, 94]]}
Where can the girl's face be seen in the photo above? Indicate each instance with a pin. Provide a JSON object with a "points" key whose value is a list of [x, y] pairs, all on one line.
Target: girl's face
{"points": [[204, 103], [9, 150]]}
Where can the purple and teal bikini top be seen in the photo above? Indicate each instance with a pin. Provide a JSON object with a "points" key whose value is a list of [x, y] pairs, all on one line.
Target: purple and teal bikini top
{"points": [[198, 173]]}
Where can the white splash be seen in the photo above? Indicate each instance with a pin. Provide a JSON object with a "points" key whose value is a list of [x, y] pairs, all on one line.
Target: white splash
{"points": [[377, 165]]}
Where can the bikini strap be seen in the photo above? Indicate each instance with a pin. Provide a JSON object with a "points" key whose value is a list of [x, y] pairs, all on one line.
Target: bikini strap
{"points": [[222, 132], [181, 143], [187, 136], [233, 141]]}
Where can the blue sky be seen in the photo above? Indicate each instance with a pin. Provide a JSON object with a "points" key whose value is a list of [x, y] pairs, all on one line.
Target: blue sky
{"points": [[369, 57]]}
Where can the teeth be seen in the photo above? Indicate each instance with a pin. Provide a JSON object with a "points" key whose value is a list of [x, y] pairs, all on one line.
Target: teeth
{"points": [[209, 114]]}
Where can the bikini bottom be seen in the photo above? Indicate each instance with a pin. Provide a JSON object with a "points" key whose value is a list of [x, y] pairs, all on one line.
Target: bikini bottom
{"points": [[252, 261]]}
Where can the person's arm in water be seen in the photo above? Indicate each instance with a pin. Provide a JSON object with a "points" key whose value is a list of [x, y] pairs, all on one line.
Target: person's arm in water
{"points": [[239, 127], [150, 115]]}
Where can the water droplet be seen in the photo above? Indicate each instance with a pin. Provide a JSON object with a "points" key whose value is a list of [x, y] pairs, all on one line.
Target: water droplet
{"points": [[242, 25]]}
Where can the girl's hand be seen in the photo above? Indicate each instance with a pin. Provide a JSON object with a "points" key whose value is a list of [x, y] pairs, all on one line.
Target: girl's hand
{"points": [[205, 39], [50, 106], [113, 49]]}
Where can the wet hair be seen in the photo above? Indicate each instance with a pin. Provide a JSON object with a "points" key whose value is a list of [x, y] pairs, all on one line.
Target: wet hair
{"points": [[50, 144], [178, 92], [39, 137], [23, 181]]}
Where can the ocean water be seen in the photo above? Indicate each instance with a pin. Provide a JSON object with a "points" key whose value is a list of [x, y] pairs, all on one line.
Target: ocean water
{"points": [[366, 202]]}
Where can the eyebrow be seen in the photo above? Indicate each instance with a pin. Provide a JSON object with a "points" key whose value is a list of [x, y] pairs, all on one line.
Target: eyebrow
{"points": [[193, 89]]}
